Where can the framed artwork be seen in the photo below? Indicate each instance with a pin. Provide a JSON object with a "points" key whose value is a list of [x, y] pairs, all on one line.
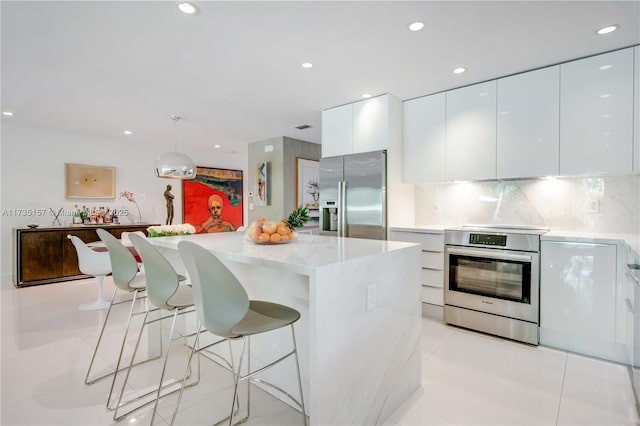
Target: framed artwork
{"points": [[307, 176], [263, 184], [84, 181], [212, 201]]}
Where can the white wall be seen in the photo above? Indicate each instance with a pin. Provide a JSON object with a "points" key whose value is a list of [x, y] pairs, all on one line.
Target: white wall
{"points": [[606, 204], [32, 176]]}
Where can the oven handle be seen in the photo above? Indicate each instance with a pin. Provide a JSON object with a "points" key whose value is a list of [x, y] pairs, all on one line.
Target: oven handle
{"points": [[490, 254]]}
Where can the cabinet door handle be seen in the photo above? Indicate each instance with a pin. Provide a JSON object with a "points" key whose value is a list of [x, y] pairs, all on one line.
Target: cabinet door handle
{"points": [[629, 307]]}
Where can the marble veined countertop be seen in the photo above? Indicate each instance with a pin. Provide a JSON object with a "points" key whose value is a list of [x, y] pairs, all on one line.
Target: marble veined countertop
{"points": [[304, 255]]}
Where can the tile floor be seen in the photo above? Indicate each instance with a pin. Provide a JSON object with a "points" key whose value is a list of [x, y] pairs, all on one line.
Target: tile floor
{"points": [[467, 378]]}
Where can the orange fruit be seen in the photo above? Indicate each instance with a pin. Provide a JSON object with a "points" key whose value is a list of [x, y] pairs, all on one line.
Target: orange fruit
{"points": [[275, 238], [264, 237], [283, 229], [270, 227]]}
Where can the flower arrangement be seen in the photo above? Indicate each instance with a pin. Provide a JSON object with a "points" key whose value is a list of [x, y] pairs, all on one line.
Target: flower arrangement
{"points": [[129, 196], [171, 230]]}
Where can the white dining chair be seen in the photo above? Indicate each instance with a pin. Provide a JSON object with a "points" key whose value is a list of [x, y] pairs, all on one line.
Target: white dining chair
{"points": [[96, 264]]}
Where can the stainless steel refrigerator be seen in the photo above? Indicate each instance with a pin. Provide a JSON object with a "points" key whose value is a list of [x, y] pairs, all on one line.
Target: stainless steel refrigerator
{"points": [[353, 195]]}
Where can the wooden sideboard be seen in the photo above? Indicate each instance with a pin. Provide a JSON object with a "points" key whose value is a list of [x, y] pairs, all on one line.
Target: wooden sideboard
{"points": [[46, 255]]}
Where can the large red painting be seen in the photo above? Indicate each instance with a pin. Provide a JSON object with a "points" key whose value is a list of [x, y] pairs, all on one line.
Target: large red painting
{"points": [[212, 201]]}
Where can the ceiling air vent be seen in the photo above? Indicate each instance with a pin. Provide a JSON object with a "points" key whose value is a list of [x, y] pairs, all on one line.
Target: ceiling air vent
{"points": [[303, 126]]}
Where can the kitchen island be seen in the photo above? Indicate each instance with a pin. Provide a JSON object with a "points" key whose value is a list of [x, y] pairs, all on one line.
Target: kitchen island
{"points": [[359, 332]]}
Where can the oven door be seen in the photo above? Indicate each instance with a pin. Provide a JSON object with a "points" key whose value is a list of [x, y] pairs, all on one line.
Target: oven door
{"points": [[501, 282]]}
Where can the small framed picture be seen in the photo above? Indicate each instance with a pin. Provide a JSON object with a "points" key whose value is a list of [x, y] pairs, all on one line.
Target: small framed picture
{"points": [[84, 181]]}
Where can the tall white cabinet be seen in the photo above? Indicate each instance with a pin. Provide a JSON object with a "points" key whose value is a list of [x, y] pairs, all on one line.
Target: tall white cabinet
{"points": [[424, 139], [528, 124], [596, 114], [471, 132]]}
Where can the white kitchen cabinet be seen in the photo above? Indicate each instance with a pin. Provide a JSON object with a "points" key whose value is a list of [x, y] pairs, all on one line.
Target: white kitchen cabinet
{"points": [[432, 262], [471, 132], [578, 298], [424, 139], [337, 131], [371, 124], [636, 109], [528, 124], [363, 126], [596, 114], [629, 288]]}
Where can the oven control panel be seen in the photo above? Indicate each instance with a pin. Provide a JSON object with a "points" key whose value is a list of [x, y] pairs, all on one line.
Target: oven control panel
{"points": [[488, 239]]}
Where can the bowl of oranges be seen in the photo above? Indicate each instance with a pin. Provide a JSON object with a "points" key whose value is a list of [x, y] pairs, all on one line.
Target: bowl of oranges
{"points": [[264, 231]]}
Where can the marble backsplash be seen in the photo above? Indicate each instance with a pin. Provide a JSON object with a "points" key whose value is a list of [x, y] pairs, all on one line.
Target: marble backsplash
{"points": [[607, 204]]}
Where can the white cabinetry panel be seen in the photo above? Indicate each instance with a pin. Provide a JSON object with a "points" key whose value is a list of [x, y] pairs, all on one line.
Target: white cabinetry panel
{"points": [[432, 272], [471, 132], [433, 260], [432, 295], [337, 132], [371, 124], [529, 124], [596, 114], [578, 298], [636, 111], [424, 139]]}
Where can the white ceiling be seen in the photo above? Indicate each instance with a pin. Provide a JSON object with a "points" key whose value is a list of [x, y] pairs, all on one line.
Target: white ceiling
{"points": [[233, 70]]}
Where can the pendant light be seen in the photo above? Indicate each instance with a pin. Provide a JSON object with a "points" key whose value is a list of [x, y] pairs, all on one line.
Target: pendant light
{"points": [[175, 165]]}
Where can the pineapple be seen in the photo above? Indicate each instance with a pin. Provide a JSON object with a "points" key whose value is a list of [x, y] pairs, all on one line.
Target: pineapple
{"points": [[297, 218]]}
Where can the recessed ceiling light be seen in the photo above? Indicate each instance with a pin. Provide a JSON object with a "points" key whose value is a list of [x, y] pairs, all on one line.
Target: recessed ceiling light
{"points": [[127, 132], [366, 95], [605, 67], [416, 26], [607, 30], [307, 65], [459, 70], [216, 146], [188, 8], [8, 113]]}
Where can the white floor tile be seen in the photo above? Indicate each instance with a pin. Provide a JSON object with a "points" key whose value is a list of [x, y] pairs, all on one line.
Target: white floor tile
{"points": [[596, 392]]}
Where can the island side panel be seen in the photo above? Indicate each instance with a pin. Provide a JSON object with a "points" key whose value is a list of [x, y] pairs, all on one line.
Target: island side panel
{"points": [[365, 363]]}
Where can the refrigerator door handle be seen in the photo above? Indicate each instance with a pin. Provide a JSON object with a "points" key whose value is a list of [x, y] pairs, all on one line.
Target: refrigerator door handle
{"points": [[342, 208]]}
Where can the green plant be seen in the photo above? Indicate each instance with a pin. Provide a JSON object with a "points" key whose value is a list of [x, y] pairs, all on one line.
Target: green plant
{"points": [[297, 218]]}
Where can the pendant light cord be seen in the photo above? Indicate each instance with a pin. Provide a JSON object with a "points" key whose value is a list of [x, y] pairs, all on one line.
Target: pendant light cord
{"points": [[175, 119]]}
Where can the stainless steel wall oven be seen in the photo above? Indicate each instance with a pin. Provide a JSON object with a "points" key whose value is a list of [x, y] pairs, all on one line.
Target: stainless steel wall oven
{"points": [[492, 280]]}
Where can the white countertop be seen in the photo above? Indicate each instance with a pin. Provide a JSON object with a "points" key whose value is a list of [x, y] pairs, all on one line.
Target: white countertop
{"points": [[629, 240], [304, 255], [428, 229]]}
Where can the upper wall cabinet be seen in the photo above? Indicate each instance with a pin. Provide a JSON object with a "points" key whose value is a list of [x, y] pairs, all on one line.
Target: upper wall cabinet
{"points": [[471, 132], [337, 130], [362, 126], [424, 138], [636, 109], [596, 114], [528, 124]]}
